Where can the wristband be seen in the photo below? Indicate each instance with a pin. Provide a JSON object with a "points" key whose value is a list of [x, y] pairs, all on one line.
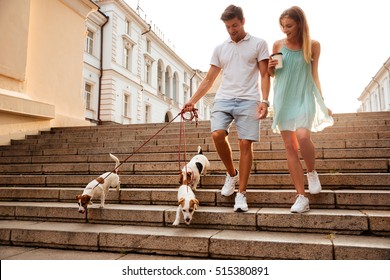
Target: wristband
{"points": [[266, 102]]}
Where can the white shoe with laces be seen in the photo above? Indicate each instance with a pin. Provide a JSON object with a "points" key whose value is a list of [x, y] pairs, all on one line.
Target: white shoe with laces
{"points": [[301, 204], [230, 184], [240, 204], [313, 182]]}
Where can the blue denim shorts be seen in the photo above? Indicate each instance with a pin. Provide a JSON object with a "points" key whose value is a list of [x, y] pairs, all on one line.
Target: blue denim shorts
{"points": [[244, 114]]}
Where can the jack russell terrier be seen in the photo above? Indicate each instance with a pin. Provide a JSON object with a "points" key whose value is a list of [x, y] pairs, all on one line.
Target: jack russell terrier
{"points": [[100, 187], [187, 204], [191, 172]]}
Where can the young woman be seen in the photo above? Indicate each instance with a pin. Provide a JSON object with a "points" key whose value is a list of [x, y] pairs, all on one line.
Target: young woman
{"points": [[299, 108]]}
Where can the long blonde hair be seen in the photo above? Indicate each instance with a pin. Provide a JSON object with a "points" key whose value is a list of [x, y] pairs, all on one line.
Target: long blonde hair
{"points": [[298, 15]]}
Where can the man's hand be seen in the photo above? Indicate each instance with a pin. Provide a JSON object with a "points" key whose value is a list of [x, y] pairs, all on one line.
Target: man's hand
{"points": [[262, 111], [188, 107]]}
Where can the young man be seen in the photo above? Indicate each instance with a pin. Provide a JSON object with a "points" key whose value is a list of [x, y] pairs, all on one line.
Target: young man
{"points": [[241, 58]]}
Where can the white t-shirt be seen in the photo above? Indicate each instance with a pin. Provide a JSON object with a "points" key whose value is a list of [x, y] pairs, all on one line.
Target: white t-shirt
{"points": [[240, 72]]}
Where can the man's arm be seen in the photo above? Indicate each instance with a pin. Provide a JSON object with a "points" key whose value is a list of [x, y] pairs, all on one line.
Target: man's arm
{"points": [[203, 88], [265, 87]]}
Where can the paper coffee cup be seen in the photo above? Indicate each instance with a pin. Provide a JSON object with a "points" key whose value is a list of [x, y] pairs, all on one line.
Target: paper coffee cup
{"points": [[279, 58]]}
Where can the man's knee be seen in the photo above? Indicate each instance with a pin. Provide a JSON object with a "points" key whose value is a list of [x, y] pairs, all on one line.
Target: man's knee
{"points": [[245, 145], [218, 135]]}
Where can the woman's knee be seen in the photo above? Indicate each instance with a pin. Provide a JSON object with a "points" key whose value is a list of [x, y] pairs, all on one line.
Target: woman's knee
{"points": [[303, 136]]}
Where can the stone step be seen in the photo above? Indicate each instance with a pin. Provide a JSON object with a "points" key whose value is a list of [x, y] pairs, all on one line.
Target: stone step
{"points": [[125, 147], [170, 155], [274, 198], [363, 133], [325, 221], [206, 243], [174, 128], [341, 121], [366, 181], [200, 132], [259, 166], [342, 124]]}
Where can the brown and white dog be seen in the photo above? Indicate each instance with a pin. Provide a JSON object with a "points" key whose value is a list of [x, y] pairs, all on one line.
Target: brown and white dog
{"points": [[100, 187], [191, 172], [187, 204]]}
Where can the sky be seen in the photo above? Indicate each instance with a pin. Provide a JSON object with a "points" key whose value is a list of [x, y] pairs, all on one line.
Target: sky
{"points": [[354, 36]]}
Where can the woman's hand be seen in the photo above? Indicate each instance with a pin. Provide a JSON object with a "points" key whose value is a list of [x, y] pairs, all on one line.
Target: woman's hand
{"points": [[272, 63], [271, 66]]}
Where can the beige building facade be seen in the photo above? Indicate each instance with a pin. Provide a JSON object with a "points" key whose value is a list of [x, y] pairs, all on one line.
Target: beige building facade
{"points": [[41, 65]]}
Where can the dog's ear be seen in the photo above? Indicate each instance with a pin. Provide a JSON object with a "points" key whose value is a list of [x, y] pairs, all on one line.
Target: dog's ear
{"points": [[195, 203], [78, 197], [181, 201]]}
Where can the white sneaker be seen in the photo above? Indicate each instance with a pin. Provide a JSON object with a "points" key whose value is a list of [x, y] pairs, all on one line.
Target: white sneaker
{"points": [[313, 182], [240, 204], [301, 204], [230, 185]]}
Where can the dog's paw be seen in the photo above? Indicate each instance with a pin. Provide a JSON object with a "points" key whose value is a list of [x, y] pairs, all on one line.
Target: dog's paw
{"points": [[101, 206], [175, 223]]}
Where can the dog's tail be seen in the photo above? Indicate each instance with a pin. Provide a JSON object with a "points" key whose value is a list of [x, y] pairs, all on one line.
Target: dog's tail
{"points": [[200, 151], [117, 162]]}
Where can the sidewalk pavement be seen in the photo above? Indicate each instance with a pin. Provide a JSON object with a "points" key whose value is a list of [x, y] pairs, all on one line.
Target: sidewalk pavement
{"points": [[34, 253]]}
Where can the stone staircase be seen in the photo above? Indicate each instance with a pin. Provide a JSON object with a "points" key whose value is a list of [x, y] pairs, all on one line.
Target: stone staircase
{"points": [[350, 219]]}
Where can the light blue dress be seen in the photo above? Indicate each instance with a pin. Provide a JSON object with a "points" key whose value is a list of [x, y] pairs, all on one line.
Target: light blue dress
{"points": [[297, 100]]}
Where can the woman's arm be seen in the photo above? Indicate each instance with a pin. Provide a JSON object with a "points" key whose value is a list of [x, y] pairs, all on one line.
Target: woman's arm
{"points": [[271, 62], [316, 50]]}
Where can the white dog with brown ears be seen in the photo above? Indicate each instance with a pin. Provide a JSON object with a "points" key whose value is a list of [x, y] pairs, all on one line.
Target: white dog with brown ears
{"points": [[192, 171], [100, 187], [187, 204]]}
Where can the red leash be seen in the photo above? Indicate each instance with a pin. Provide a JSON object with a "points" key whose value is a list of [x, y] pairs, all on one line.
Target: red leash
{"points": [[193, 114]]}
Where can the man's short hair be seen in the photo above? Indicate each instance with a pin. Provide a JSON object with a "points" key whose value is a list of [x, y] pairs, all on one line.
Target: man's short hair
{"points": [[232, 12]]}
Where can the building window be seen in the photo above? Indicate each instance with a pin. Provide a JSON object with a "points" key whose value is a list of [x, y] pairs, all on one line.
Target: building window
{"points": [[88, 96], [128, 27], [186, 97], [382, 99], [148, 46], [127, 58], [89, 42], [148, 73], [160, 77], [175, 86], [126, 105], [148, 110], [167, 84], [148, 68]]}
